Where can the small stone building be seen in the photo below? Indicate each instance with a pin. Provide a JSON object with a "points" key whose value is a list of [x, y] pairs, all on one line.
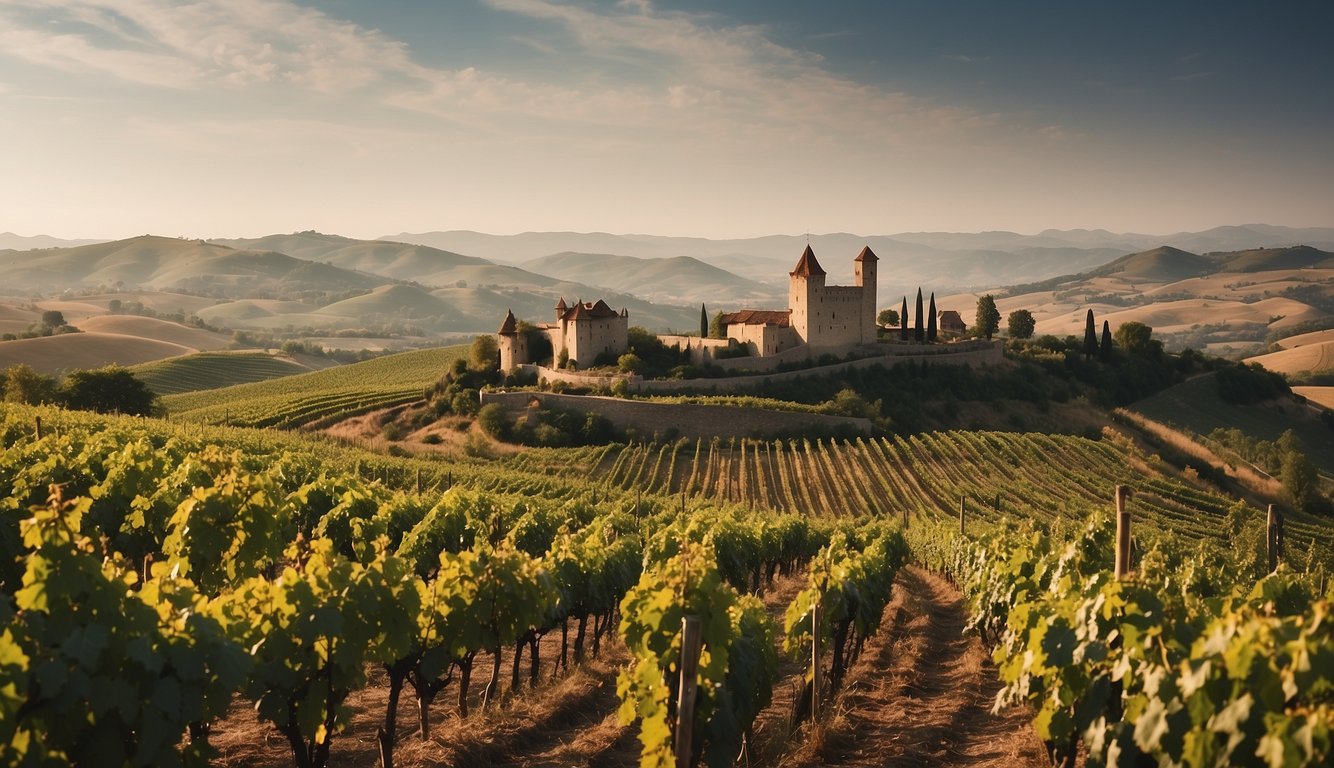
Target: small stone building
{"points": [[951, 324], [581, 333]]}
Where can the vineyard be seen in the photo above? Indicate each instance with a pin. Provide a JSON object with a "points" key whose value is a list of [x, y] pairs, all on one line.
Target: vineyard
{"points": [[294, 401], [213, 370], [170, 590], [999, 475]]}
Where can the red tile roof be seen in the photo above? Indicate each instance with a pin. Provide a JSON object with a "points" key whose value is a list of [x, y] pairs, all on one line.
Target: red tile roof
{"points": [[808, 265], [509, 327], [779, 317], [867, 255], [589, 311]]}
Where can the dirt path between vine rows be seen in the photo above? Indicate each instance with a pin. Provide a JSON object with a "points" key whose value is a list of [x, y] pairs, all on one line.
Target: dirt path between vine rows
{"points": [[921, 693]]}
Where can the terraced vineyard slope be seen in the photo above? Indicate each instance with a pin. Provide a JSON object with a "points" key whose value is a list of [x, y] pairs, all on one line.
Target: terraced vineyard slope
{"points": [[999, 474], [295, 401]]}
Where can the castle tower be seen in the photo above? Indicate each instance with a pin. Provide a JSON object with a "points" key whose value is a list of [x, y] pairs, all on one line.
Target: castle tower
{"points": [[513, 345], [806, 282], [865, 269]]}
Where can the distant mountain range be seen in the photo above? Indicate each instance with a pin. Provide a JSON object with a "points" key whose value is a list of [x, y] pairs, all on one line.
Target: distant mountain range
{"points": [[931, 259]]}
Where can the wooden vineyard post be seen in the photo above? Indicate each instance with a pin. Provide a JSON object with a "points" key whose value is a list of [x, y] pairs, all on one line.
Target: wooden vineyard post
{"points": [[638, 498], [691, 631], [963, 503], [905, 518], [1279, 539], [1122, 533], [1271, 538], [39, 427], [419, 481], [816, 681]]}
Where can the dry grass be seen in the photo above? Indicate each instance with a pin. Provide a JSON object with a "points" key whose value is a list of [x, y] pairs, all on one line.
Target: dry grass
{"points": [[159, 330], [52, 354], [1318, 356], [1255, 482], [1321, 396]]}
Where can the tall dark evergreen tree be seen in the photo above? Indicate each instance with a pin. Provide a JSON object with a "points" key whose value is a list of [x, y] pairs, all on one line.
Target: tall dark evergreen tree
{"points": [[1090, 336], [988, 316], [903, 320], [703, 322], [919, 330], [1105, 349], [931, 319]]}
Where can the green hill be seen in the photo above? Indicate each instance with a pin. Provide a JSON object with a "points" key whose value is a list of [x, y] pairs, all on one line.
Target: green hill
{"points": [[679, 279], [400, 261], [294, 401], [1264, 259], [1163, 264], [164, 263], [1197, 406], [213, 370]]}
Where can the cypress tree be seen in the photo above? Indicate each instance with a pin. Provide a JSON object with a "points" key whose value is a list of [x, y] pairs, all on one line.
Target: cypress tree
{"points": [[903, 320], [1105, 350], [919, 330], [931, 319], [703, 322], [1090, 336]]}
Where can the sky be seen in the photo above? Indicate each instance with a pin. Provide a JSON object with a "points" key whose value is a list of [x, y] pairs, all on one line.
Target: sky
{"points": [[238, 118]]}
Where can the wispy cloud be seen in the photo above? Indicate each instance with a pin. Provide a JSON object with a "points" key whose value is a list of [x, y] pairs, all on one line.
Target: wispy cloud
{"points": [[1186, 78], [178, 45]]}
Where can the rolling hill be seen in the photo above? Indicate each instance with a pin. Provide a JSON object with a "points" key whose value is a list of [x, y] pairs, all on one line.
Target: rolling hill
{"points": [[676, 280], [213, 370], [400, 261], [165, 264], [1163, 264], [153, 328], [70, 351]]}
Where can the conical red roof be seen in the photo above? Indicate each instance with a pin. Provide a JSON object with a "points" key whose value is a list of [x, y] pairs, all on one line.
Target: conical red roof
{"points": [[808, 265], [867, 255], [510, 326]]}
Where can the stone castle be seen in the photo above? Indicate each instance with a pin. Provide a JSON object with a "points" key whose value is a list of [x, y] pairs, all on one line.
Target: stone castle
{"points": [[824, 318]]}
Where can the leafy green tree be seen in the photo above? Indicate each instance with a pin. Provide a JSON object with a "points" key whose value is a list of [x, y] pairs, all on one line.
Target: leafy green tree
{"points": [[494, 421], [1300, 479], [53, 319], [24, 385], [887, 318], [1020, 324], [1136, 338], [931, 319], [987, 320], [717, 330], [630, 363], [703, 321], [484, 354], [1091, 336], [903, 320], [108, 390], [919, 329], [1105, 348]]}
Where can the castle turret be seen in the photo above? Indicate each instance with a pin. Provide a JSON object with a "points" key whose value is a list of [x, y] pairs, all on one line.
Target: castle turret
{"points": [[513, 345], [560, 309], [805, 280], [865, 269]]}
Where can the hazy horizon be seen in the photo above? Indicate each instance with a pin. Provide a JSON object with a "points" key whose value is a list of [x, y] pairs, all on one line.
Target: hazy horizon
{"points": [[252, 117]]}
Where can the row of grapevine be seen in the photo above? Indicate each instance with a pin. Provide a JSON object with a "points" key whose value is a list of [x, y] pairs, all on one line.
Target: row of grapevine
{"points": [[1036, 476], [1188, 663], [216, 572]]}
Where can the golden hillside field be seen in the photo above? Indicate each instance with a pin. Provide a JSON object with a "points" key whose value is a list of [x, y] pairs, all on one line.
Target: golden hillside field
{"points": [[53, 354], [1321, 396], [159, 330], [1308, 357]]}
